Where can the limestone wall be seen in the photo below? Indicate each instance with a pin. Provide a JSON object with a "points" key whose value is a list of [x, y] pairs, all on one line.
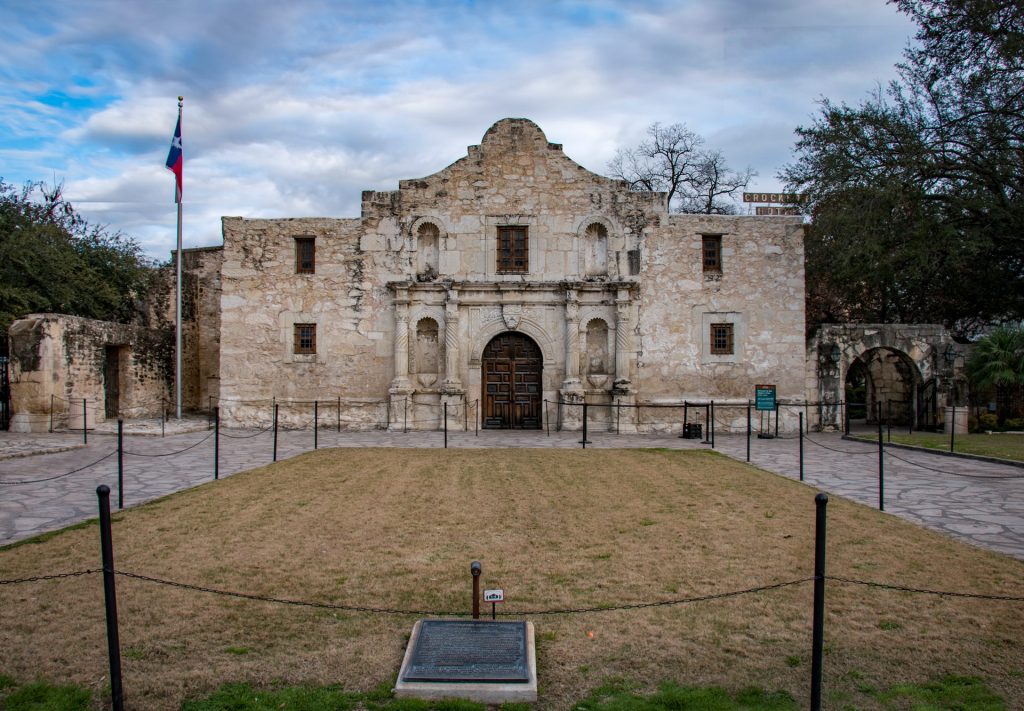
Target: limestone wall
{"points": [[263, 298], [57, 361]]}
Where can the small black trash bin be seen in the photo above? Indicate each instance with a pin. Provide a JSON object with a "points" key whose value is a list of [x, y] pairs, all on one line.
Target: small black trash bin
{"points": [[692, 430]]}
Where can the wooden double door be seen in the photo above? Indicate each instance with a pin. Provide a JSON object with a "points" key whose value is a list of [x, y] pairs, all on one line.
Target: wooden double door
{"points": [[512, 372]]}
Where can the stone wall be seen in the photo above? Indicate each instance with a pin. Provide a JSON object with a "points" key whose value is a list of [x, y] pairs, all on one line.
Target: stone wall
{"points": [[58, 361], [405, 298]]}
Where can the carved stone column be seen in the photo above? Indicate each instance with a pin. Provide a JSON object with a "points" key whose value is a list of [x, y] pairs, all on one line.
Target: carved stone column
{"points": [[572, 389], [622, 389], [401, 389], [452, 392]]}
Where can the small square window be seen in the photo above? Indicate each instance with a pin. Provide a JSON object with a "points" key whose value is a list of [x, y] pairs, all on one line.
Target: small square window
{"points": [[513, 250], [305, 338], [305, 255], [711, 248], [721, 339]]}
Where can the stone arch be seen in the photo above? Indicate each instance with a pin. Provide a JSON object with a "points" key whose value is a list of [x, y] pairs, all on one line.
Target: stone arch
{"points": [[426, 355], [512, 371], [528, 326], [883, 377], [594, 238], [920, 349]]}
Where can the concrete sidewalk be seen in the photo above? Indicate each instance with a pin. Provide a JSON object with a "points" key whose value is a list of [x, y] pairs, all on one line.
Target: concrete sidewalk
{"points": [[980, 502]]}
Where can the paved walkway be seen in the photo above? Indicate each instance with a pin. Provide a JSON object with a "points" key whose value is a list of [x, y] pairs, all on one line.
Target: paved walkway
{"points": [[980, 502]]}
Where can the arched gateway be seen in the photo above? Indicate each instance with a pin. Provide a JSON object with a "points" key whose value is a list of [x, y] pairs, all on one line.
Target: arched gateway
{"points": [[512, 369]]}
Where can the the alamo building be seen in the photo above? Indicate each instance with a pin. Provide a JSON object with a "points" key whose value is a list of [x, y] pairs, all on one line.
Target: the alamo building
{"points": [[508, 285]]}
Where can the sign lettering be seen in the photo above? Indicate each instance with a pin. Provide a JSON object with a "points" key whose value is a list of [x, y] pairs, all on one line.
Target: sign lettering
{"points": [[783, 198], [494, 596], [764, 397], [775, 211]]}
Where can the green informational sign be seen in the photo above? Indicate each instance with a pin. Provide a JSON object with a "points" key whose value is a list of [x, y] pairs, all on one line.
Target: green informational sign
{"points": [[764, 397]]}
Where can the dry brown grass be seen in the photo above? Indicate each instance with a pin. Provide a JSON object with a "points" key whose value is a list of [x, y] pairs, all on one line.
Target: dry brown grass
{"points": [[398, 528]]}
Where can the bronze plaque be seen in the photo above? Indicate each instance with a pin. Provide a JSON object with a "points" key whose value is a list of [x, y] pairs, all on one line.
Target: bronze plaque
{"points": [[469, 651]]}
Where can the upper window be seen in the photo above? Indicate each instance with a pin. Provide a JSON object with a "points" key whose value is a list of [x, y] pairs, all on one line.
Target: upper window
{"points": [[712, 251], [513, 250], [721, 339], [305, 255], [305, 338]]}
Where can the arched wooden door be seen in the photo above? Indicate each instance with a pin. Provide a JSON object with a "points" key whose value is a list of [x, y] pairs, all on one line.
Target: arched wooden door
{"points": [[512, 370]]}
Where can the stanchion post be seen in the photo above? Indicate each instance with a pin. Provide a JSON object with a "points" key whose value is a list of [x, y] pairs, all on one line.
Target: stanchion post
{"points": [[216, 443], [952, 427], [474, 570], [275, 431], [476, 420], [110, 599], [163, 417], [881, 463], [339, 414], [584, 441], [85, 424], [405, 416], [776, 419], [618, 414], [316, 424], [446, 425], [818, 621], [547, 416], [120, 464], [801, 446], [846, 418], [51, 412], [748, 430], [712, 426]]}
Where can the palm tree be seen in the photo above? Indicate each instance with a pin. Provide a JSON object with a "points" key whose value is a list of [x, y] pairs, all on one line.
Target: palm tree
{"points": [[997, 362]]}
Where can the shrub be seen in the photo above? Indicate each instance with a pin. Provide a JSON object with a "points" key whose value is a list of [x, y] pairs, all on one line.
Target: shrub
{"points": [[987, 421]]}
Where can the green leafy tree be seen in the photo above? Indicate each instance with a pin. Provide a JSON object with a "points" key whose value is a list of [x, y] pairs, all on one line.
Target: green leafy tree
{"points": [[52, 260], [997, 364], [917, 194]]}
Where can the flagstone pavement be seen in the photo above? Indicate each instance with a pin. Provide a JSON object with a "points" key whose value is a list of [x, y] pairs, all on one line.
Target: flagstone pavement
{"points": [[975, 501]]}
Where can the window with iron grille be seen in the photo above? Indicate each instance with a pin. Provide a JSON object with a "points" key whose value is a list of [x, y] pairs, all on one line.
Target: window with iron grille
{"points": [[305, 338], [712, 251], [513, 250], [721, 339], [305, 255]]}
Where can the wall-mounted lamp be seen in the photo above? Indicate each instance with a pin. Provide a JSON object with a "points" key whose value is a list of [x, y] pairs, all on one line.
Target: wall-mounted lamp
{"points": [[834, 354], [950, 354]]}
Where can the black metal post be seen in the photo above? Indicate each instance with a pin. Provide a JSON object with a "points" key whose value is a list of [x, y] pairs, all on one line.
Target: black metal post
{"points": [[712, 425], [476, 419], [547, 416], [952, 427], [686, 416], [85, 427], [216, 443], [120, 464], [110, 599], [405, 416], [881, 463], [584, 441], [846, 419], [618, 414], [316, 425], [446, 425], [275, 431], [163, 416], [465, 415], [51, 412], [474, 569], [801, 446], [748, 430], [339, 414], [818, 620], [776, 419]]}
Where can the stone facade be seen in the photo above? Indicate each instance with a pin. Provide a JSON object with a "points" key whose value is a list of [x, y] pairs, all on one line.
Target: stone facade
{"points": [[59, 361], [406, 298]]}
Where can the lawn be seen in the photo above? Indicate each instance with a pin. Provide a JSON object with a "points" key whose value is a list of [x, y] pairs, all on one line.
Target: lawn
{"points": [[1003, 446], [556, 529]]}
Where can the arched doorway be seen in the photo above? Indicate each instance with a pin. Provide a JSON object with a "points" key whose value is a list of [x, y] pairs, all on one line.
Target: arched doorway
{"points": [[884, 378], [512, 368]]}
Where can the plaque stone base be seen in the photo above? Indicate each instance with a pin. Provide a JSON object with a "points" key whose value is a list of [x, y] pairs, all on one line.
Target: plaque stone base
{"points": [[481, 660]]}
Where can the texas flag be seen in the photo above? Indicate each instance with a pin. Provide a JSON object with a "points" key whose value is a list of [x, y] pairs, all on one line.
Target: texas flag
{"points": [[175, 160]]}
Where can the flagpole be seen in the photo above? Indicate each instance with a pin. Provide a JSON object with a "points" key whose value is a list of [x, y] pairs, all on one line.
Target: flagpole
{"points": [[177, 314]]}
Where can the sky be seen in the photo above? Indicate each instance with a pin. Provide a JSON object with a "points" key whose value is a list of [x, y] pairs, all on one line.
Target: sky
{"points": [[293, 109]]}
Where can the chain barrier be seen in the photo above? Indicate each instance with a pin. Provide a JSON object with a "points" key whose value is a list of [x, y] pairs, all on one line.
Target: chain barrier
{"points": [[807, 438], [55, 576], [944, 471], [170, 454], [924, 591], [59, 476]]}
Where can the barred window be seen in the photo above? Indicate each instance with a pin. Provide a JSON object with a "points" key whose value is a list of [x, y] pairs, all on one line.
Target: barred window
{"points": [[513, 250], [305, 255], [721, 339], [305, 338], [712, 251]]}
